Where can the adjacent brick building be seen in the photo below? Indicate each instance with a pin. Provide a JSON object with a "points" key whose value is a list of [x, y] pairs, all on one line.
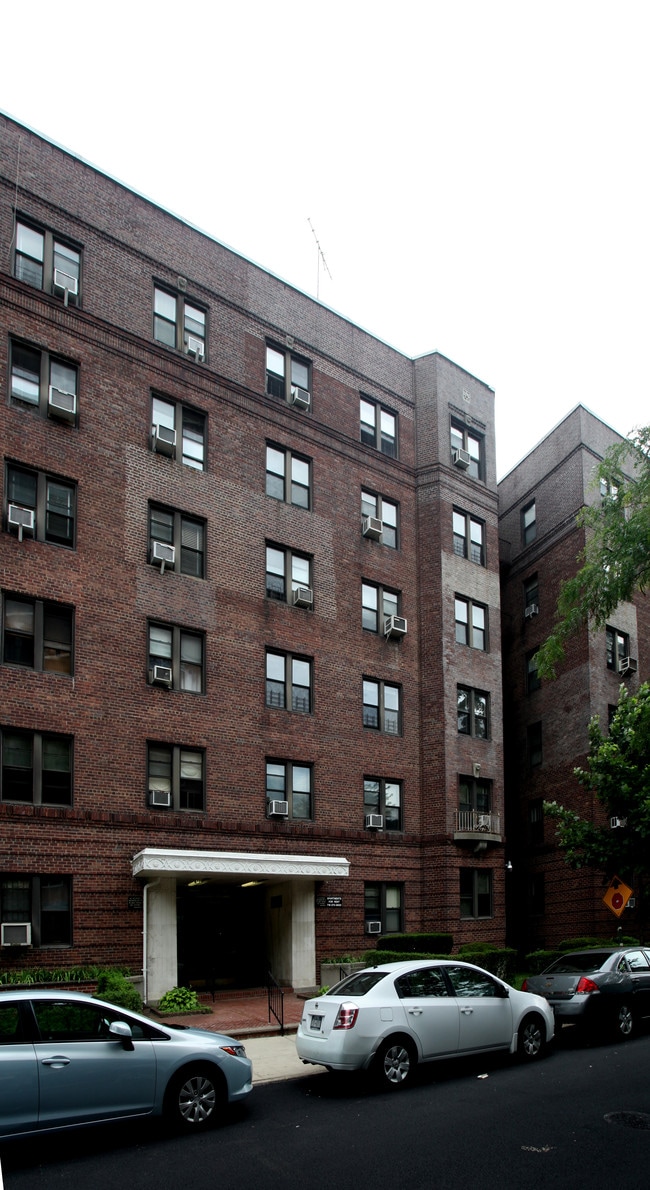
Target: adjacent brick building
{"points": [[250, 706]]}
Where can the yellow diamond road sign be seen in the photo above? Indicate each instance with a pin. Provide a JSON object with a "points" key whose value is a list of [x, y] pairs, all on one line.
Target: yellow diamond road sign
{"points": [[617, 896]]}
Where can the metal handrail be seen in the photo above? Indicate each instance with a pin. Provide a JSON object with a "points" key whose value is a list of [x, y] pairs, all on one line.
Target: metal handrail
{"points": [[275, 996]]}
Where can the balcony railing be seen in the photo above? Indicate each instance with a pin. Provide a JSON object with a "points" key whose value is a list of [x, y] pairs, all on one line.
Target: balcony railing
{"points": [[476, 822]]}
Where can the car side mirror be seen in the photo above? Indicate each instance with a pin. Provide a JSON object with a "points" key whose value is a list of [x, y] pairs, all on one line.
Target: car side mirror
{"points": [[503, 992], [122, 1032]]}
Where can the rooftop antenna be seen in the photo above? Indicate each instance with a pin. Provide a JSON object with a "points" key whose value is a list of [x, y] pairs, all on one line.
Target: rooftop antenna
{"points": [[319, 257]]}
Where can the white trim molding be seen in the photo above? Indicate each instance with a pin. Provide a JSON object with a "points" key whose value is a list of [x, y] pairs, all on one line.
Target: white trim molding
{"points": [[157, 861]]}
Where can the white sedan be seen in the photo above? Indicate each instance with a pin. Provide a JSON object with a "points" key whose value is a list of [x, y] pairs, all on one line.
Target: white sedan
{"points": [[389, 1018]]}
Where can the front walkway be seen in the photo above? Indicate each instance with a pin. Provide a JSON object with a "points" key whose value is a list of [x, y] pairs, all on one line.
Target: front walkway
{"points": [[242, 1014]]}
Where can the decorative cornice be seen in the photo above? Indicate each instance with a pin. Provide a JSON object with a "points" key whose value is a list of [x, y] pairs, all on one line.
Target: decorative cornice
{"points": [[153, 861]]}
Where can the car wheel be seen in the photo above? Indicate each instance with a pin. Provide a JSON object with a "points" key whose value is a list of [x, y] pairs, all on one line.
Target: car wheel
{"points": [[531, 1043], [195, 1098], [395, 1062], [624, 1022]]}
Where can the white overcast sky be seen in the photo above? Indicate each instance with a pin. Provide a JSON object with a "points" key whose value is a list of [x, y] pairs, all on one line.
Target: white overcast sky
{"points": [[477, 172]]}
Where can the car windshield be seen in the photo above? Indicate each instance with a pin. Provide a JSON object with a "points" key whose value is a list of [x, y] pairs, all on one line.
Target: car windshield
{"points": [[574, 964], [357, 985]]}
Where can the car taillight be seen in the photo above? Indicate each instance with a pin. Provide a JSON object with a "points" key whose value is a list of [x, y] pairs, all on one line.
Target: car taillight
{"points": [[346, 1016], [586, 985], [524, 986]]}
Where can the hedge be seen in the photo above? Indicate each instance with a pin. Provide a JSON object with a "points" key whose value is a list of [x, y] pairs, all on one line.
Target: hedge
{"points": [[501, 962], [419, 944]]}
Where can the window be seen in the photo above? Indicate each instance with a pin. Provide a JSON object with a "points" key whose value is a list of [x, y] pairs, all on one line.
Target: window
{"points": [[43, 901], [617, 646], [286, 573], [377, 604], [529, 523], [43, 381], [533, 680], [176, 658], [186, 438], [287, 376], [536, 821], [178, 772], [381, 706], [36, 768], [384, 511], [471, 446], [288, 682], [469, 537], [178, 323], [531, 594], [467, 981], [383, 797], [184, 534], [471, 623], [378, 427], [384, 903], [534, 745], [475, 892], [288, 477], [52, 501], [608, 490], [288, 781], [36, 634], [44, 261], [473, 712], [474, 797]]}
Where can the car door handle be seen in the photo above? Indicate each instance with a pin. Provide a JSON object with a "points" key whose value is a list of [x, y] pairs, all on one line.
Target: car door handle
{"points": [[467, 1011], [415, 1011], [56, 1062]]}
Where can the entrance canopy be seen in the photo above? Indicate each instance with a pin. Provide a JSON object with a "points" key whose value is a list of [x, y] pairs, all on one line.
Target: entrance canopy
{"points": [[228, 865]]}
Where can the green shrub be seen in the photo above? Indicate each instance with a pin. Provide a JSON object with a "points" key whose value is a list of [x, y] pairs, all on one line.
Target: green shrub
{"points": [[179, 1000], [539, 960], [440, 944], [501, 961], [35, 975], [593, 943], [377, 958], [115, 987]]}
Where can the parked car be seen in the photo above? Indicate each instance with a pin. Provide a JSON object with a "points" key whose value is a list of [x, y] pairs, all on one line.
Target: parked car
{"points": [[68, 1059], [604, 988], [390, 1017]]}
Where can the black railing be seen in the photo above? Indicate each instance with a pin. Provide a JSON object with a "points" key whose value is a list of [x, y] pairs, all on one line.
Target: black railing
{"points": [[275, 996]]}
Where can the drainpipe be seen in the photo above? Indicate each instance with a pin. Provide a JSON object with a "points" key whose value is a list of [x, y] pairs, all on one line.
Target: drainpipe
{"points": [[145, 922]]}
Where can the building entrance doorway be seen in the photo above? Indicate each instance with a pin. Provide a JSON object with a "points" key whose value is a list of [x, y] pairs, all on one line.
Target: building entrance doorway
{"points": [[221, 935]]}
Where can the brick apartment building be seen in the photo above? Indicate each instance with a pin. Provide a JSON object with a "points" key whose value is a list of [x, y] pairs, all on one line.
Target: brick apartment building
{"points": [[250, 704], [546, 734]]}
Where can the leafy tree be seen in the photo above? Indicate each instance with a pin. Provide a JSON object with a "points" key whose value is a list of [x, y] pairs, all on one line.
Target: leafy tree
{"points": [[615, 561], [618, 772]]}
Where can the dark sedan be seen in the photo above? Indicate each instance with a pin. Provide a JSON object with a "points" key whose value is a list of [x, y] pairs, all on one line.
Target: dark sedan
{"points": [[604, 988]]}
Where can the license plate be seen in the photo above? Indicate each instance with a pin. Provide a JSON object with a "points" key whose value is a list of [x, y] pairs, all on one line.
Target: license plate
{"points": [[316, 1022]]}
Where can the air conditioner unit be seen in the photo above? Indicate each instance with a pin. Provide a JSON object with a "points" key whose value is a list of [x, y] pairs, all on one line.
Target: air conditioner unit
{"points": [[372, 528], [163, 440], [62, 405], [629, 665], [617, 822], [395, 626], [163, 553], [278, 809], [461, 459], [303, 597], [375, 822], [16, 933], [300, 397], [160, 797], [531, 610], [21, 519], [66, 284], [161, 675], [373, 927], [195, 347]]}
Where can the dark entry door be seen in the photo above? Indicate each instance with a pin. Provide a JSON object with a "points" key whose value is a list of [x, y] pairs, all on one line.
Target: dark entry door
{"points": [[221, 935]]}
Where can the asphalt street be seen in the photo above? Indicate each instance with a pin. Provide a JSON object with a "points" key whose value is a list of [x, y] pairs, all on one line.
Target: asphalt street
{"points": [[580, 1117]]}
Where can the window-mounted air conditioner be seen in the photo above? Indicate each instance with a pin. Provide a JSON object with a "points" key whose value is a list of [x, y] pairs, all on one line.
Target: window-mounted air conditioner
{"points": [[395, 626], [617, 822], [373, 927], [300, 397], [61, 405], [372, 528], [21, 519], [629, 665], [16, 933], [278, 809], [163, 440], [160, 797], [461, 458], [303, 597], [161, 675], [195, 347], [66, 284], [375, 822], [531, 610], [163, 554]]}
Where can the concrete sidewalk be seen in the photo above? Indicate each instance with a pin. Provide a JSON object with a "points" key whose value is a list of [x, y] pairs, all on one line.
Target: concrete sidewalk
{"points": [[274, 1058]]}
